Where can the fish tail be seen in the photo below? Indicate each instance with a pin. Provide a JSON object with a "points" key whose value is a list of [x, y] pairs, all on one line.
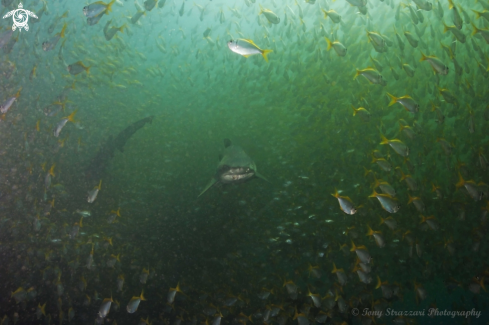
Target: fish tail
{"points": [[411, 199], [376, 183], [370, 231], [72, 116], [445, 28], [330, 44], [476, 30], [87, 69], [477, 14], [335, 270], [142, 297], [51, 170], [62, 33], [336, 194], [109, 7], [401, 127], [461, 181], [357, 74], [384, 139], [18, 93], [265, 53], [423, 57], [403, 177], [393, 99], [379, 283], [352, 249], [450, 4], [121, 29], [355, 111], [325, 13], [374, 194]]}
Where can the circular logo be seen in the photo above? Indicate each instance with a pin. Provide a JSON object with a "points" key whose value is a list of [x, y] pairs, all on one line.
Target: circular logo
{"points": [[20, 18]]}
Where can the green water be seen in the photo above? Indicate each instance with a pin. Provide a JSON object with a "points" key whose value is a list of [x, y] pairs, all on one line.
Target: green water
{"points": [[254, 251]]}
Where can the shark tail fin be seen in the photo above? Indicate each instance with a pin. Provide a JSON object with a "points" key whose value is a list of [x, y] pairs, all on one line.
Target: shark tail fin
{"points": [[227, 143], [212, 182]]}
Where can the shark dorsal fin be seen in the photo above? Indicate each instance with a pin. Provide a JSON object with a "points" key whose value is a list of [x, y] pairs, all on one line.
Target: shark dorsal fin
{"points": [[227, 143]]}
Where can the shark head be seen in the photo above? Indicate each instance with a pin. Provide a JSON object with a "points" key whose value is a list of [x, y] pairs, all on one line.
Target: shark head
{"points": [[234, 167]]}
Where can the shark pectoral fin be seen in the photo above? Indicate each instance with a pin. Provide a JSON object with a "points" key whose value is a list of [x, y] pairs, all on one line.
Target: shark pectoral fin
{"points": [[257, 174], [211, 183]]}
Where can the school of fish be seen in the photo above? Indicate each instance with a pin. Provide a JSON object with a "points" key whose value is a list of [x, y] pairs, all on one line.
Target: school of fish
{"points": [[367, 116]]}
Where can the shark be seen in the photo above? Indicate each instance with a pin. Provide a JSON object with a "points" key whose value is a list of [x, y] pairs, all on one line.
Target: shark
{"points": [[100, 161], [234, 167]]}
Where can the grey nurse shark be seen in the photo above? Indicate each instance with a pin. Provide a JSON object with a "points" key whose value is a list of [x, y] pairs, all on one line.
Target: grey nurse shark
{"points": [[234, 167]]}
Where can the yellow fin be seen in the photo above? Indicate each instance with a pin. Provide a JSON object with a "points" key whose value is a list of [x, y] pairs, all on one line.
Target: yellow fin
{"points": [[393, 99], [265, 53], [252, 43], [330, 44]]}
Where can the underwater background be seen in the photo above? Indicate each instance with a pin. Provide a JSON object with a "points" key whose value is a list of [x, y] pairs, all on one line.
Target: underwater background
{"points": [[368, 121]]}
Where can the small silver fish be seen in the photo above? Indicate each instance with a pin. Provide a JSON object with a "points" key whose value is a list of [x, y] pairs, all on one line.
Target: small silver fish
{"points": [[105, 307], [247, 48], [92, 195], [7, 104], [133, 304], [84, 213], [97, 8]]}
